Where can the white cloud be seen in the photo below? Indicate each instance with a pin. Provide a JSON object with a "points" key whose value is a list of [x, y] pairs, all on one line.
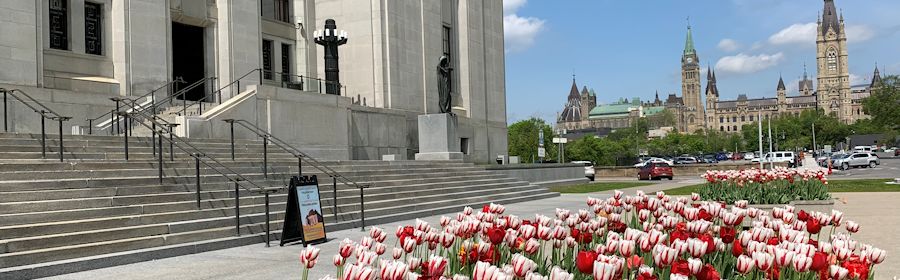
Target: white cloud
{"points": [[511, 6], [805, 34], [858, 80], [519, 31], [729, 45], [744, 64], [800, 33], [859, 33]]}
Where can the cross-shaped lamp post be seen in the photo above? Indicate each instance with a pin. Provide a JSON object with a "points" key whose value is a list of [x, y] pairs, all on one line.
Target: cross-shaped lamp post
{"points": [[331, 38]]}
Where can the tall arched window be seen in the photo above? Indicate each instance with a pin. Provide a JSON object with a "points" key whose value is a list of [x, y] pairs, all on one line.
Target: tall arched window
{"points": [[831, 59]]}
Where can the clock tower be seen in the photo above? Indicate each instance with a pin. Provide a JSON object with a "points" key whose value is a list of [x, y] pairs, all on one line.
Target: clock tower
{"points": [[693, 112], [833, 87]]}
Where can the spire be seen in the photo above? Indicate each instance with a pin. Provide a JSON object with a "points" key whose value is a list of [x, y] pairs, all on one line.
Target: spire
{"points": [[781, 83], [573, 93], [709, 77], [876, 78], [689, 42], [805, 76], [830, 18]]}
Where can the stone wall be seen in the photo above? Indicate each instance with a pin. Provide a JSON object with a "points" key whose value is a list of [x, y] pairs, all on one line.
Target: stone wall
{"points": [[694, 170], [78, 105], [327, 126], [544, 174]]}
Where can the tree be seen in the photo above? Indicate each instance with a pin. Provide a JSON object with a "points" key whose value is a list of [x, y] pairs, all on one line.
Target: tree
{"points": [[523, 140], [884, 104]]}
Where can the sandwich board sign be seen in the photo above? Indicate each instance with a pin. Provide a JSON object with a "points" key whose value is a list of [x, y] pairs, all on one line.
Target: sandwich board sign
{"points": [[303, 219]]}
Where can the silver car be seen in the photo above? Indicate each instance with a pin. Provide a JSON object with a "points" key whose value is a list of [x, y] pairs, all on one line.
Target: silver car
{"points": [[858, 159]]}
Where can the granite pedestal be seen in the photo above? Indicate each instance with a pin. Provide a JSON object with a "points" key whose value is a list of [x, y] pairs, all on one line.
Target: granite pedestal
{"points": [[438, 139]]}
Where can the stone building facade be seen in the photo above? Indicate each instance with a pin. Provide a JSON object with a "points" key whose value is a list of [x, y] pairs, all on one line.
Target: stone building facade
{"points": [[833, 94], [76, 54]]}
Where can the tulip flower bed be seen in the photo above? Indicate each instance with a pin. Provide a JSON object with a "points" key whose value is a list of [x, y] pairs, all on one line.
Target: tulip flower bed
{"points": [[760, 186], [640, 237]]}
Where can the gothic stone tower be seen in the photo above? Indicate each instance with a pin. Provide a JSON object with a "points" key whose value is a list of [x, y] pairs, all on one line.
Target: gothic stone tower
{"points": [[833, 72], [712, 96], [693, 117]]}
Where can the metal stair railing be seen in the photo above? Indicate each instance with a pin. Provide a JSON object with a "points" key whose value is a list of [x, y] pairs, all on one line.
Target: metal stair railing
{"points": [[218, 93], [240, 181], [149, 97], [303, 157], [45, 112]]}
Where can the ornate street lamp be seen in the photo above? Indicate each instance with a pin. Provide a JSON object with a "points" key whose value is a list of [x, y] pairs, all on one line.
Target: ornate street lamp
{"points": [[331, 38]]}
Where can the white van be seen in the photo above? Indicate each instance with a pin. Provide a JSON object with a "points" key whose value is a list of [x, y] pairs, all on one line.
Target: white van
{"points": [[778, 157], [863, 149]]}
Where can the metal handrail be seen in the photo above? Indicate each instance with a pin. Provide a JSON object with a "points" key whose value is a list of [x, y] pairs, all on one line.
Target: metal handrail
{"points": [[218, 93], [297, 153], [303, 157], [200, 157], [43, 111], [151, 94]]}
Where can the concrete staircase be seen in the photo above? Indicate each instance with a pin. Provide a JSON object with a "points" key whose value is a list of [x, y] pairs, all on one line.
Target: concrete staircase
{"points": [[97, 210]]}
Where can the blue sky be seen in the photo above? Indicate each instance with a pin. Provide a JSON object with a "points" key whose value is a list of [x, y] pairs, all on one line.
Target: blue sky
{"points": [[633, 48]]}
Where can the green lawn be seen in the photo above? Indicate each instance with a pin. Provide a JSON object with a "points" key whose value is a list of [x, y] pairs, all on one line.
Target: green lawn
{"points": [[597, 187], [860, 185]]}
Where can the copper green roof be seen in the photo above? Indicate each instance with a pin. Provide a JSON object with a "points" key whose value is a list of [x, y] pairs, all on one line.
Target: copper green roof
{"points": [[610, 109], [689, 43], [649, 111]]}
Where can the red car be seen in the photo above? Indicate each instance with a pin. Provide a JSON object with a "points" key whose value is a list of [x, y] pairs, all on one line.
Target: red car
{"points": [[655, 171]]}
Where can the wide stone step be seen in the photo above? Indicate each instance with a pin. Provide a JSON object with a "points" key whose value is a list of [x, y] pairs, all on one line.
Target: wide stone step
{"points": [[110, 201], [91, 249], [44, 224], [340, 166]]}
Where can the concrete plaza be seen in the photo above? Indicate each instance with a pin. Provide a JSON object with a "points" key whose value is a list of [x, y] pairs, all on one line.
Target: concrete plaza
{"points": [[877, 213]]}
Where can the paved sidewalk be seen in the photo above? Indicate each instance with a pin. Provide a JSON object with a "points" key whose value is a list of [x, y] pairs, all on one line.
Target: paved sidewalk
{"points": [[876, 213]]}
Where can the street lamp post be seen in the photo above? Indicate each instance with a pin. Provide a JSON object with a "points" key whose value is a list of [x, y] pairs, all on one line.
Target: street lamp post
{"points": [[330, 39]]}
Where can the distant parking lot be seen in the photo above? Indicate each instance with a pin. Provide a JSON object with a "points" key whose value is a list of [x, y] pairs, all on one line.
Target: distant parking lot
{"points": [[889, 168]]}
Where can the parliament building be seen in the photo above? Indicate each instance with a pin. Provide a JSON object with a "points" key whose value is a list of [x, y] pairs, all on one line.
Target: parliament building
{"points": [[832, 92]]}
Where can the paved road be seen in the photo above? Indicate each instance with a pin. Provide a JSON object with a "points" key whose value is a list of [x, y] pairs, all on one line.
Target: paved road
{"points": [[889, 168]]}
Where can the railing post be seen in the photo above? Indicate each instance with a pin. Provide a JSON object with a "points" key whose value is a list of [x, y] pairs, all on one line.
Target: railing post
{"points": [[125, 136], [160, 158], [231, 124], [265, 157], [299, 167], [153, 136], [112, 118], [90, 126], [197, 176], [362, 210], [5, 114], [43, 137], [61, 119], [334, 199], [116, 116], [267, 219], [237, 208], [172, 141]]}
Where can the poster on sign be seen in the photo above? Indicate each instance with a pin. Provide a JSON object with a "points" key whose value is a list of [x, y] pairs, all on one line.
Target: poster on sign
{"points": [[303, 220]]}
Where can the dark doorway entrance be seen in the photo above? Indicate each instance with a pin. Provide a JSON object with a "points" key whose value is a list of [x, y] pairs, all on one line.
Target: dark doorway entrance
{"points": [[188, 58]]}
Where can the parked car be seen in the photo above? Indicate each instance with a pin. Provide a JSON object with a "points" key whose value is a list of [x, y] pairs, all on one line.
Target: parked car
{"points": [[777, 157], [737, 156], [749, 156], [588, 169], [653, 159], [722, 156], [858, 159], [866, 149], [655, 170], [685, 160], [709, 159], [834, 158]]}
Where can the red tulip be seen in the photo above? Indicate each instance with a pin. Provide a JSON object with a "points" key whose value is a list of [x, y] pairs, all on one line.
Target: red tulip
{"points": [[737, 249], [585, 261], [813, 226], [727, 234], [647, 276], [679, 234], [496, 234], [802, 216], [708, 273], [819, 261], [857, 268], [710, 242], [681, 267]]}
